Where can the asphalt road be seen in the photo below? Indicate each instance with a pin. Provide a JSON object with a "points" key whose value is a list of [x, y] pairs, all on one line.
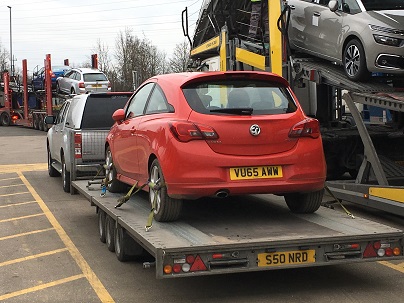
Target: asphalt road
{"points": [[50, 251]]}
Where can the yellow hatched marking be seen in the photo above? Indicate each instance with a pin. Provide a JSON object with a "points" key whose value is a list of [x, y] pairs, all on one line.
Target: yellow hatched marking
{"points": [[14, 194], [21, 218], [48, 253], [96, 284], [399, 267], [40, 287], [10, 168], [27, 233], [6, 186], [394, 194], [17, 204]]}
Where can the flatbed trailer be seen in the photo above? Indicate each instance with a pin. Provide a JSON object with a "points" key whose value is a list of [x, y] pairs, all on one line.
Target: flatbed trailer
{"points": [[238, 234]]}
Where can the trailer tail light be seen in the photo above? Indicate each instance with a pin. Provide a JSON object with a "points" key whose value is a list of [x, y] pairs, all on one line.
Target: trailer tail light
{"points": [[382, 249], [307, 128], [189, 263], [77, 146], [185, 131], [81, 85]]}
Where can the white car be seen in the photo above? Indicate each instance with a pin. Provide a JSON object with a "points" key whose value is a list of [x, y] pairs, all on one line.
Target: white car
{"points": [[83, 80]]}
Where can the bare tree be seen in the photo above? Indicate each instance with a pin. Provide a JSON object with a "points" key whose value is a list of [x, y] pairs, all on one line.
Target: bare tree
{"points": [[179, 60], [4, 58]]}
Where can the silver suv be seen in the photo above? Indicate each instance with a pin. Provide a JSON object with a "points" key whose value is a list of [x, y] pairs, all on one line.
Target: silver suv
{"points": [[362, 35], [76, 141], [83, 80]]}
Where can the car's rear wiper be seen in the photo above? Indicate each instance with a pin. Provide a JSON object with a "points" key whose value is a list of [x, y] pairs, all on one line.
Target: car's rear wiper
{"points": [[237, 110]]}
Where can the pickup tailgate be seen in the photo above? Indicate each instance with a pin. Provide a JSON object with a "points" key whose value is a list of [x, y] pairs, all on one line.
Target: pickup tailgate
{"points": [[93, 145]]}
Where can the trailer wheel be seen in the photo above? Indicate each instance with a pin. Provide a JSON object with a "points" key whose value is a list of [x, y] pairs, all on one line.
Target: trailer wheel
{"points": [[304, 203], [35, 121], [166, 208], [65, 177], [125, 247], [114, 185], [110, 233], [101, 225], [5, 119], [51, 170], [41, 123]]}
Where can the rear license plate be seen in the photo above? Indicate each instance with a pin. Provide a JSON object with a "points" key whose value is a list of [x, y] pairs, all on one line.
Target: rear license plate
{"points": [[96, 85], [257, 172], [286, 258]]}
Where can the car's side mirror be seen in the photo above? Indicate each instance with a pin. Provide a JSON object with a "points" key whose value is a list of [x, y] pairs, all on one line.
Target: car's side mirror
{"points": [[118, 115], [50, 119], [333, 5]]}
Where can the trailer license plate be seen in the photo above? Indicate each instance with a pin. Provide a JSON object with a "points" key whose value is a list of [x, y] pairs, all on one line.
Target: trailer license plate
{"points": [[286, 258], [255, 172]]}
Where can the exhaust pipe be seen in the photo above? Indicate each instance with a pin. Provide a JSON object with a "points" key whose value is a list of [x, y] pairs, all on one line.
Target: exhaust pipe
{"points": [[223, 193]]}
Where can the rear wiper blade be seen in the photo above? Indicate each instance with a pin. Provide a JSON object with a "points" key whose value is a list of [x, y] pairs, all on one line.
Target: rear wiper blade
{"points": [[238, 110]]}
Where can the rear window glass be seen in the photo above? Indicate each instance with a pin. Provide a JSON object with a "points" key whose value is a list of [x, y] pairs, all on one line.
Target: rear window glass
{"points": [[94, 77], [239, 97], [99, 109]]}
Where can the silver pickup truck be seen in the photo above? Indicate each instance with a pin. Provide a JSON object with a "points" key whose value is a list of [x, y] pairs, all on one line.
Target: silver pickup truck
{"points": [[76, 141]]}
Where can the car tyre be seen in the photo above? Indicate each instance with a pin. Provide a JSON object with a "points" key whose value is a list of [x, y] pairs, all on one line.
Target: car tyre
{"points": [[51, 170], [65, 177], [167, 209], [58, 88], [5, 119], [72, 91], [110, 233], [354, 60], [101, 225], [304, 203], [114, 185]]}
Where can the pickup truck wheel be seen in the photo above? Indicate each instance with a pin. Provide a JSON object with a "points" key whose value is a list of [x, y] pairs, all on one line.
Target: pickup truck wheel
{"points": [[65, 177], [354, 61], [101, 225], [110, 233], [114, 185], [5, 119], [166, 208], [51, 170], [304, 203]]}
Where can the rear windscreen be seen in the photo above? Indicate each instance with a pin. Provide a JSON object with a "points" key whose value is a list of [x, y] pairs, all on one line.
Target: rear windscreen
{"points": [[94, 77], [99, 109]]}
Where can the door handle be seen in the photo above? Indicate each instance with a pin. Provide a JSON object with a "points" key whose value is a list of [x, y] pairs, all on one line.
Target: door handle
{"points": [[317, 14]]}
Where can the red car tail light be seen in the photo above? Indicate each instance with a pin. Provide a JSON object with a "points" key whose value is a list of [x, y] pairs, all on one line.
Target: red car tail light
{"points": [[187, 131], [81, 85], [77, 145], [306, 128]]}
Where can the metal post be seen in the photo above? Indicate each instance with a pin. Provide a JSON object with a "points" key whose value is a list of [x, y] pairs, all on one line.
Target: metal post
{"points": [[11, 47]]}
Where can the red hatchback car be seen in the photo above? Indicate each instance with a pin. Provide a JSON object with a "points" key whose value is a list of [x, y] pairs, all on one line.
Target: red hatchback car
{"points": [[217, 134]]}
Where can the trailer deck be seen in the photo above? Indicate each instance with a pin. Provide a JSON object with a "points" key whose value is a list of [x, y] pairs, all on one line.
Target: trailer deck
{"points": [[248, 230]]}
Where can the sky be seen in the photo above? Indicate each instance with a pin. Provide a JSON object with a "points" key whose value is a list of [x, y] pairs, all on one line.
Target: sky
{"points": [[70, 29]]}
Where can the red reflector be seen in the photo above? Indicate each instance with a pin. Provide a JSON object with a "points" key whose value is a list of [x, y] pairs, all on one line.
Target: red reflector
{"points": [[81, 85], [190, 259], [377, 245], [355, 246], [370, 251], [198, 265]]}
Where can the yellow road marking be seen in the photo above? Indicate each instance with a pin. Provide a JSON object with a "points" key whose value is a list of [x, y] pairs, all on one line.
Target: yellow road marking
{"points": [[399, 267], [17, 204], [12, 168], [96, 284], [48, 253], [27, 233], [40, 287], [14, 194], [21, 218], [6, 186]]}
